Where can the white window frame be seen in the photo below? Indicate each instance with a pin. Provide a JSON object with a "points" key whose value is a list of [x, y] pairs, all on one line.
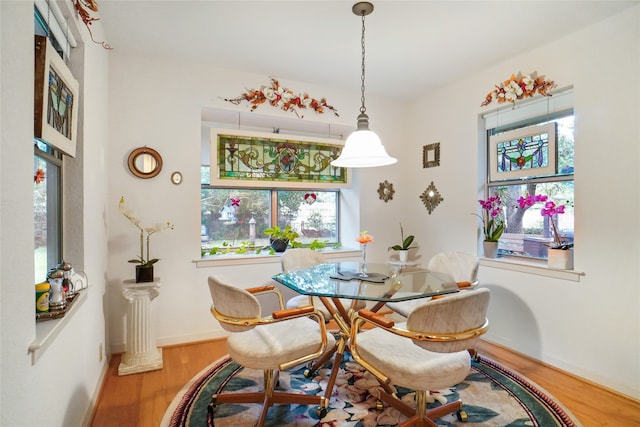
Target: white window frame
{"points": [[512, 117]]}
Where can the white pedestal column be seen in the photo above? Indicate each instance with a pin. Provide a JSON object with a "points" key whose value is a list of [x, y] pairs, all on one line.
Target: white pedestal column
{"points": [[141, 353]]}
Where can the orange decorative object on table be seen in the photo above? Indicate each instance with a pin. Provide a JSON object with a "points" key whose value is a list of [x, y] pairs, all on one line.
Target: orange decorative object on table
{"points": [[364, 238]]}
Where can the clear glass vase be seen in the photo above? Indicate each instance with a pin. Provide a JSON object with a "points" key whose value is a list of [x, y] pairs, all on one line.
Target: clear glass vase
{"points": [[363, 263]]}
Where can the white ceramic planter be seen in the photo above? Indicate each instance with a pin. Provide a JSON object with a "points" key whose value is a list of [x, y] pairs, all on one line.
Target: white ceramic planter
{"points": [[403, 256], [490, 249], [560, 258]]}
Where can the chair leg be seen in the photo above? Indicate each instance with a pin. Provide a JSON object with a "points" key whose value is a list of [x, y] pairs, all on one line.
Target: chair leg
{"points": [[420, 416], [310, 372], [268, 397]]}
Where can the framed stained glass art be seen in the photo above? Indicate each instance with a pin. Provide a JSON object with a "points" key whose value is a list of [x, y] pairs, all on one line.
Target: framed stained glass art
{"points": [[55, 99], [268, 159], [523, 152]]}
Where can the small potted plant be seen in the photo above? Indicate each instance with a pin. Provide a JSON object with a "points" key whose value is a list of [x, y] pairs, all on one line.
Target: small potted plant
{"points": [[492, 224], [280, 239], [404, 246], [144, 269]]}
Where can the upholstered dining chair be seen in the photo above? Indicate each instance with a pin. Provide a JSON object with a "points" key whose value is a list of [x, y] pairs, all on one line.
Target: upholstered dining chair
{"points": [[427, 352], [304, 258], [267, 343], [460, 266]]}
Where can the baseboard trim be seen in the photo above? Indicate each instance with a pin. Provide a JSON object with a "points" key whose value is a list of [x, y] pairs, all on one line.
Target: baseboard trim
{"points": [[97, 392], [176, 340], [594, 384]]}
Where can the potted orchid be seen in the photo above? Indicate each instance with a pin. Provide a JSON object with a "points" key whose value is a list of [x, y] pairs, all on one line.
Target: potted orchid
{"points": [[144, 269], [404, 246], [560, 253], [492, 224]]}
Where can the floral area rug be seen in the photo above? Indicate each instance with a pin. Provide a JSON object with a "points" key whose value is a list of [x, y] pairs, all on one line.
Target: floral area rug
{"points": [[491, 395]]}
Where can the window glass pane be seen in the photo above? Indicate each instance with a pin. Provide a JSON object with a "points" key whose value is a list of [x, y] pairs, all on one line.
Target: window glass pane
{"points": [[565, 145], [313, 214], [234, 217], [47, 217], [205, 175], [527, 232]]}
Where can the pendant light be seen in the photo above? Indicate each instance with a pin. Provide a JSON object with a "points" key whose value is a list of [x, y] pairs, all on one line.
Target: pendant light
{"points": [[363, 147]]}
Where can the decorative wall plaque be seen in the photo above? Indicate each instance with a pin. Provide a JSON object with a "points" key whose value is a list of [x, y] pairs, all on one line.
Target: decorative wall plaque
{"points": [[385, 191], [431, 197], [431, 155]]}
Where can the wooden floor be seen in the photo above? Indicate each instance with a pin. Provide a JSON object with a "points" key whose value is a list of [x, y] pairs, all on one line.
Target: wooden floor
{"points": [[142, 399]]}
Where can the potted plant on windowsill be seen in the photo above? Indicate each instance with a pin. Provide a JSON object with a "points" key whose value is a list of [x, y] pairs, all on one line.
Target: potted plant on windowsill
{"points": [[280, 239], [560, 253], [492, 224], [404, 246]]}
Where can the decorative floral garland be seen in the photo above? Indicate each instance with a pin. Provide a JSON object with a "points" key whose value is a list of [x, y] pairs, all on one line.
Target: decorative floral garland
{"points": [[519, 87], [282, 98], [84, 9]]}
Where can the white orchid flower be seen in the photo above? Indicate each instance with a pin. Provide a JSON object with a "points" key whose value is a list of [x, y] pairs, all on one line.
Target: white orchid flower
{"points": [[148, 230]]}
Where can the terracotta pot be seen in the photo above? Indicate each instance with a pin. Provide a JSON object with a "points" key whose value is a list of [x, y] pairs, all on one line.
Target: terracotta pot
{"points": [[144, 273]]}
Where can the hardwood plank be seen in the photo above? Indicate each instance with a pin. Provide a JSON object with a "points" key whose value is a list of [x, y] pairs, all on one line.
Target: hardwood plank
{"points": [[591, 403], [142, 399]]}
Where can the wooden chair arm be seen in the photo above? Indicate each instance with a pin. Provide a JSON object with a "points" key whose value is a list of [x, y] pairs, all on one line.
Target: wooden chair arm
{"points": [[261, 289], [292, 312], [375, 318], [276, 316]]}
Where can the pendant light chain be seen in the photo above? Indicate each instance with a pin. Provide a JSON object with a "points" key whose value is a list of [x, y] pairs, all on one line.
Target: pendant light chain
{"points": [[363, 148], [363, 109]]}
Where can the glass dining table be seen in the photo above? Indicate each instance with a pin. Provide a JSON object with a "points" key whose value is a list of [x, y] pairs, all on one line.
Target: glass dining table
{"points": [[382, 283]]}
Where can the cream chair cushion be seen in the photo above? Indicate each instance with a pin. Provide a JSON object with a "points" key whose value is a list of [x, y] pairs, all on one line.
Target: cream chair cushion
{"points": [[459, 266], [264, 346], [409, 363]]}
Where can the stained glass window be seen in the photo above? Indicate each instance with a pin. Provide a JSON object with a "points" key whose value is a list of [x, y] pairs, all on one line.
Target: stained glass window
{"points": [[523, 152], [273, 159]]}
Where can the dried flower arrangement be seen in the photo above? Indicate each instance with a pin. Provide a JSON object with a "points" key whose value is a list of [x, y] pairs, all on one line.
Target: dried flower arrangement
{"points": [[519, 87], [285, 99]]}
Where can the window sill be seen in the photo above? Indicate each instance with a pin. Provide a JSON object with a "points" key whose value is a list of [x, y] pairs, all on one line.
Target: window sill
{"points": [[245, 259], [47, 331], [530, 266]]}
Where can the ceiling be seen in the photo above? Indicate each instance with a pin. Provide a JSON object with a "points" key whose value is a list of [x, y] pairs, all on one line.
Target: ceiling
{"points": [[411, 46]]}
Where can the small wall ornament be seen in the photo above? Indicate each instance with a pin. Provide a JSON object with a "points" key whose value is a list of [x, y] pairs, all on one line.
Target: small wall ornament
{"points": [[519, 87], [385, 191], [285, 99], [431, 155], [431, 197]]}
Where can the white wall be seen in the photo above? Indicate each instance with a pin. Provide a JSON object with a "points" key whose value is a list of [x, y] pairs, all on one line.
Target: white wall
{"points": [[590, 328], [59, 388]]}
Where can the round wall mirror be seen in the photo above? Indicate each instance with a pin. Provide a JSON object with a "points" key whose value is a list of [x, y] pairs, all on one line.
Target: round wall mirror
{"points": [[145, 162]]}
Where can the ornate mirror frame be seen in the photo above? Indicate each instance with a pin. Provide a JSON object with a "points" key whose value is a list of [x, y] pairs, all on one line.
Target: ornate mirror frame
{"points": [[145, 162]]}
